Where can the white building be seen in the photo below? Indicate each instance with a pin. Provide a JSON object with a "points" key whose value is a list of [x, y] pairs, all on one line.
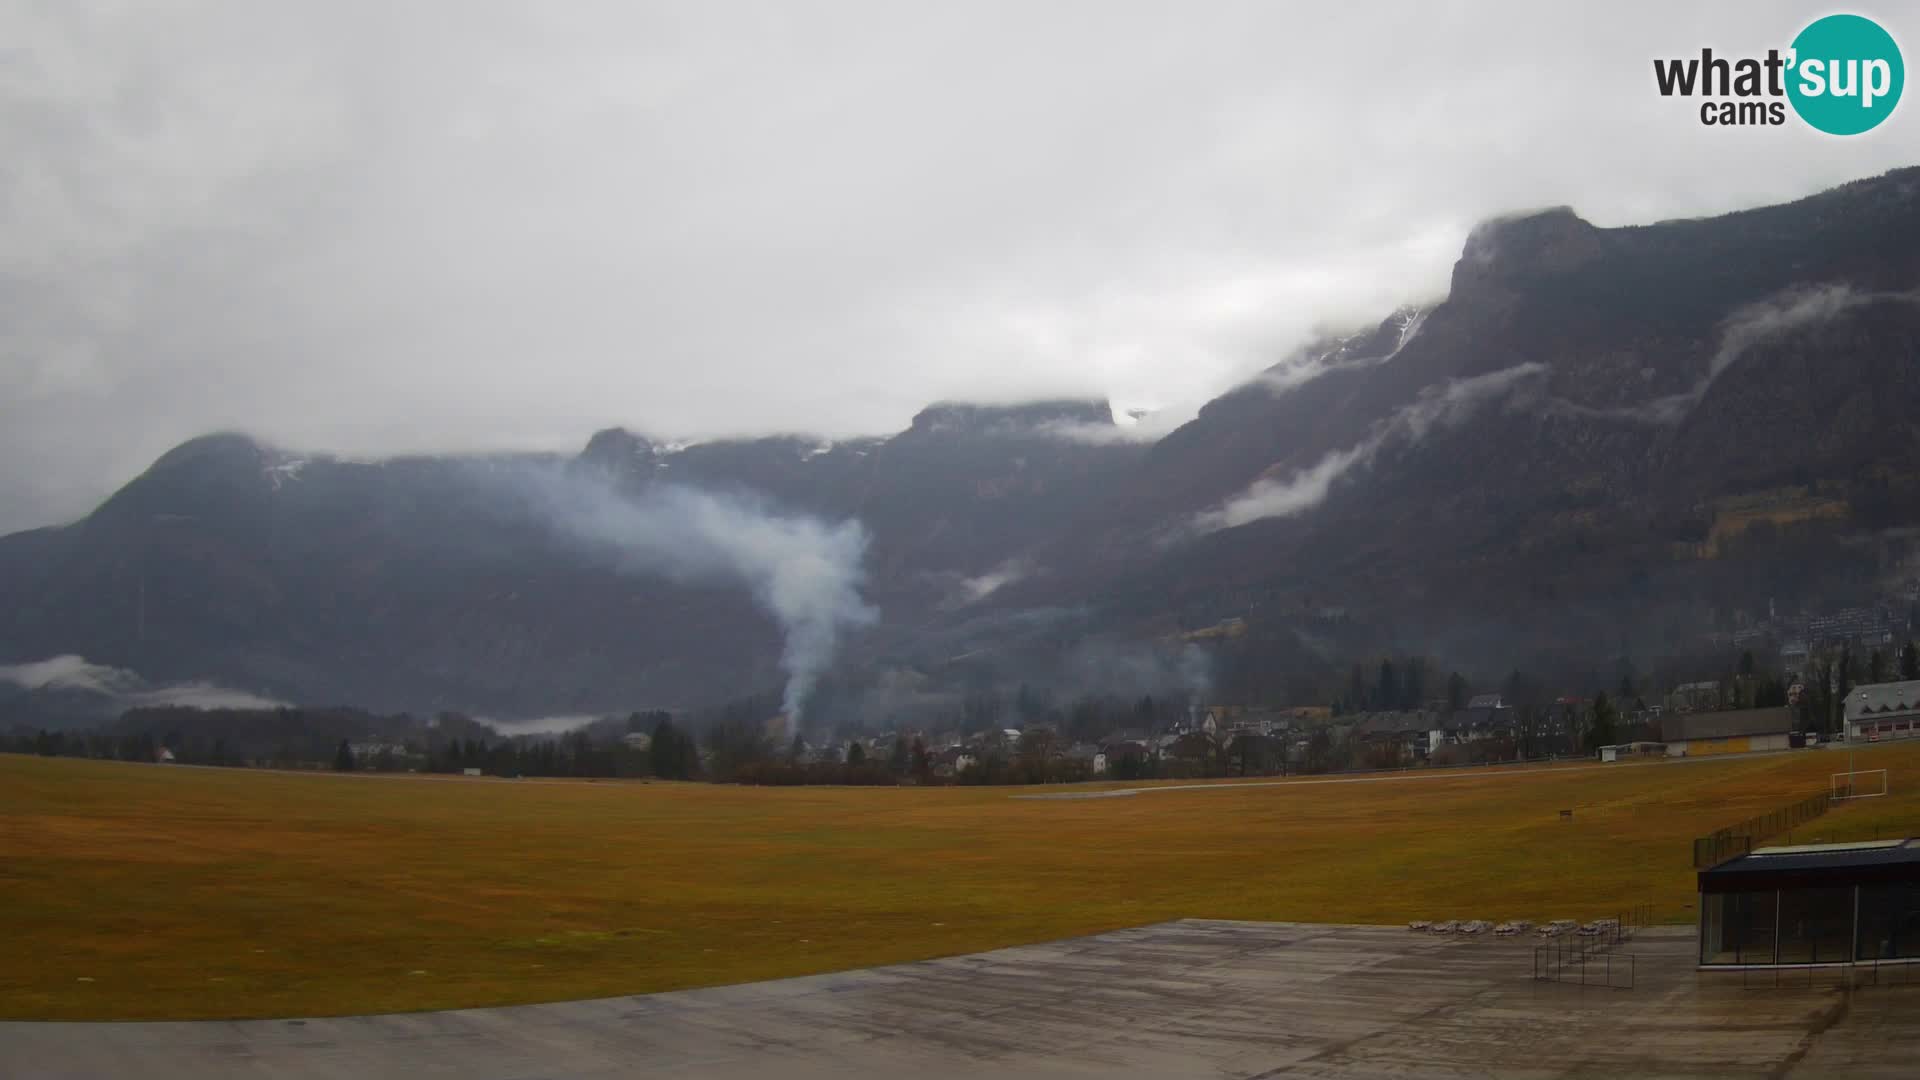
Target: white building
{"points": [[1883, 711]]}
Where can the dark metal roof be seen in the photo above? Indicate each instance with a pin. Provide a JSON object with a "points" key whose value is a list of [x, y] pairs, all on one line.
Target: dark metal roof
{"points": [[1814, 865]]}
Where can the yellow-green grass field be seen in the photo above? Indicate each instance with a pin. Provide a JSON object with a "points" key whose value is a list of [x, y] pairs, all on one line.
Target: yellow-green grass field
{"points": [[136, 891]]}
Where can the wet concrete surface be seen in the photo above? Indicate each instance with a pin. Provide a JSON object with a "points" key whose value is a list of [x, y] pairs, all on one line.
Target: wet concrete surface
{"points": [[1185, 999]]}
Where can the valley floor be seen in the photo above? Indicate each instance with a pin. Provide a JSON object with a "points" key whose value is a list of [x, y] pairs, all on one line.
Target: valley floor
{"points": [[146, 892]]}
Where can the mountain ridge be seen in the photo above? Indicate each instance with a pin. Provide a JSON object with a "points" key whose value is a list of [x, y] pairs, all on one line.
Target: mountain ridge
{"points": [[1545, 446]]}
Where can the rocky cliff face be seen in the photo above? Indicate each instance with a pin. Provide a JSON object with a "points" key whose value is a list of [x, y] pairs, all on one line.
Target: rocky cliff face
{"points": [[1545, 461], [1609, 390]]}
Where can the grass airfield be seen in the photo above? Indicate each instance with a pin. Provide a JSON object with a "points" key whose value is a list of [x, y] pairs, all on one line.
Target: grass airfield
{"points": [[146, 892]]}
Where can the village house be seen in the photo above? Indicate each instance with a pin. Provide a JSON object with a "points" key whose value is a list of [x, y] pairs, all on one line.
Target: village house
{"points": [[812, 753], [1127, 744], [1408, 733], [1089, 755], [948, 761], [1558, 730], [1486, 716], [1883, 711], [1874, 625], [1695, 697]]}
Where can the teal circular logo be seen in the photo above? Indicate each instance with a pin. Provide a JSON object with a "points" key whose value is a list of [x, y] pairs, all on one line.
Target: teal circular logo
{"points": [[1846, 75]]}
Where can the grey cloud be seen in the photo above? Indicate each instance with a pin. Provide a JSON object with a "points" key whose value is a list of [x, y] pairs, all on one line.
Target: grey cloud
{"points": [[376, 228]]}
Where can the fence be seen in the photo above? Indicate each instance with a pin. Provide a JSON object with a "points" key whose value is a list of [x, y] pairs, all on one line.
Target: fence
{"points": [[1738, 839], [1584, 962], [1591, 959], [1902, 971], [1640, 917]]}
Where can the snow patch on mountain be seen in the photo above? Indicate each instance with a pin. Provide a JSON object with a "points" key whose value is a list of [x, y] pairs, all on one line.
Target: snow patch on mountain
{"points": [[1348, 353], [284, 471]]}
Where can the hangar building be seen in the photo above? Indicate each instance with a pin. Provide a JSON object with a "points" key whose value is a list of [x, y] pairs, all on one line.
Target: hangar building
{"points": [[1814, 904]]}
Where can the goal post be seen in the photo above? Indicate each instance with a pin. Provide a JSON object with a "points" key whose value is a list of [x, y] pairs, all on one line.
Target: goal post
{"points": [[1859, 784]]}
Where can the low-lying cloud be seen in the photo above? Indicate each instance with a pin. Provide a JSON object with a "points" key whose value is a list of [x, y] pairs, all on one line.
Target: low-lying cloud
{"points": [[542, 725], [1312, 364], [1439, 405], [975, 589], [1767, 321], [127, 689]]}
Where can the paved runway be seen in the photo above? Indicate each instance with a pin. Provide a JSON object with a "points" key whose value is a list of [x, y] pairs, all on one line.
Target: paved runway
{"points": [[1184, 999]]}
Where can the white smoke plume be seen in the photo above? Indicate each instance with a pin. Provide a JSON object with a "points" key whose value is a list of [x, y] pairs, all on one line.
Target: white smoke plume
{"points": [[805, 572], [1441, 404], [75, 673]]}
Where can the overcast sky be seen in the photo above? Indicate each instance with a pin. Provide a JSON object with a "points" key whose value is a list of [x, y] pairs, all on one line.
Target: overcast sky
{"points": [[384, 227]]}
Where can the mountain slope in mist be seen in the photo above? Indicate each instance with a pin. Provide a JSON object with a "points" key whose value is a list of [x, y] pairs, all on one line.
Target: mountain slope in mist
{"points": [[1548, 455], [1561, 459]]}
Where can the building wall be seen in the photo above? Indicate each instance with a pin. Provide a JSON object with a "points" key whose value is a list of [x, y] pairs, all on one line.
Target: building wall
{"points": [[1738, 744], [1869, 730], [1843, 923]]}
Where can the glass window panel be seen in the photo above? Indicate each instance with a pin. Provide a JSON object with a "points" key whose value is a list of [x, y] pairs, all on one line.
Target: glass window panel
{"points": [[1816, 925], [1889, 921], [1737, 928], [1713, 927]]}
